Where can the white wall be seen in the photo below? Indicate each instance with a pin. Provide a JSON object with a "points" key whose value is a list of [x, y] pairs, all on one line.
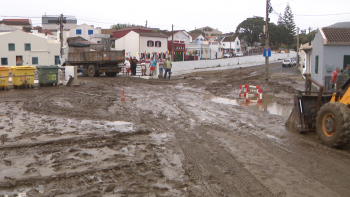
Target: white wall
{"points": [[215, 50], [181, 36], [84, 31], [145, 48], [44, 49], [237, 61], [130, 42], [318, 50], [234, 45]]}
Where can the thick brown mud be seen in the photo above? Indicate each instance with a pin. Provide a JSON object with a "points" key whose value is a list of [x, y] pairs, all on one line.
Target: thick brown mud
{"points": [[188, 136]]}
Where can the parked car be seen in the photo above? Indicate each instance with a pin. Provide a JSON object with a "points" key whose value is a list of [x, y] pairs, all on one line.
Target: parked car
{"points": [[294, 61], [227, 55], [287, 63], [239, 54]]}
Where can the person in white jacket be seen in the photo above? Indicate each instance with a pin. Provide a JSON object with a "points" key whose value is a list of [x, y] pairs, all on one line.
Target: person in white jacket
{"points": [[127, 66]]}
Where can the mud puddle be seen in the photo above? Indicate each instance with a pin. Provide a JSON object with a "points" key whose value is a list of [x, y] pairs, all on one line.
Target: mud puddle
{"points": [[266, 106]]}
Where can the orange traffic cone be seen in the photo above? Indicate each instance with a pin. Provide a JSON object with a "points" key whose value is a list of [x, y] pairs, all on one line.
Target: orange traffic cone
{"points": [[123, 97]]}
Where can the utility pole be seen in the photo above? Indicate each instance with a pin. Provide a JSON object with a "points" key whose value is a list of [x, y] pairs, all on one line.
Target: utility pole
{"points": [[230, 40], [298, 47], [267, 41], [61, 34], [146, 23], [172, 42]]}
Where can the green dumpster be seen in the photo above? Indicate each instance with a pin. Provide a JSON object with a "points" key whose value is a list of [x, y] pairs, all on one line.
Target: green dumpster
{"points": [[48, 75]]}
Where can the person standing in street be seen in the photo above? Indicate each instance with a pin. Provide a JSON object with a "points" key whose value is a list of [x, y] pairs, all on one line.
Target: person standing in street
{"points": [[160, 64], [152, 66], [133, 66], [334, 78], [167, 65], [143, 68], [127, 66]]}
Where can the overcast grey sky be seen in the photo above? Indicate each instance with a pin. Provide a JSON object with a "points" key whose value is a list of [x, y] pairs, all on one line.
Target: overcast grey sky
{"points": [[222, 14]]}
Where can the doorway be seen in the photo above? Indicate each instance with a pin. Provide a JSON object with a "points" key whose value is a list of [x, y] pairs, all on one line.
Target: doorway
{"points": [[346, 60], [57, 60], [19, 61]]}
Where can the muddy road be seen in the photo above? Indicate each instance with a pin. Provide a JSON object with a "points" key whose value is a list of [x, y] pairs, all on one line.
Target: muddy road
{"points": [[188, 136]]}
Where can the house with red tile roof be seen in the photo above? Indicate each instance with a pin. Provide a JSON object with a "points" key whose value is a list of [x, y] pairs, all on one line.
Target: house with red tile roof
{"points": [[330, 49], [21, 24], [141, 43]]}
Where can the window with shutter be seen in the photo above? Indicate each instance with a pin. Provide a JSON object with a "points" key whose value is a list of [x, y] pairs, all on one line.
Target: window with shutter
{"points": [[27, 47], [4, 61], [35, 60], [11, 47]]}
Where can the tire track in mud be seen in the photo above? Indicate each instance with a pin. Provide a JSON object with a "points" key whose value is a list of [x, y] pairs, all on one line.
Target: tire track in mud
{"points": [[76, 172], [212, 165], [140, 175], [308, 161]]}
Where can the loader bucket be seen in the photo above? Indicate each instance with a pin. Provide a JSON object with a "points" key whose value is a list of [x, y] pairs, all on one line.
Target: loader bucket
{"points": [[303, 115]]}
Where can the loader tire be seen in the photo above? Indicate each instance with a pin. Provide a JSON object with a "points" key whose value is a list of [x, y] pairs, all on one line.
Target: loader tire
{"points": [[93, 71], [333, 125]]}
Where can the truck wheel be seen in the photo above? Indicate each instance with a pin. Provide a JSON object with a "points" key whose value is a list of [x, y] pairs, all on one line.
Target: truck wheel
{"points": [[111, 74], [93, 71], [332, 125]]}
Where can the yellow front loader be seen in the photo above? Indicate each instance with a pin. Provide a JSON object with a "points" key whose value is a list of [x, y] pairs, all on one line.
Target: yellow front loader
{"points": [[328, 113]]}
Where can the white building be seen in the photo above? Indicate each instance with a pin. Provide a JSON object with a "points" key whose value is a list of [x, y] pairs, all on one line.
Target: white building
{"points": [[216, 50], [136, 43], [180, 36], [29, 49], [231, 45], [87, 32], [51, 22]]}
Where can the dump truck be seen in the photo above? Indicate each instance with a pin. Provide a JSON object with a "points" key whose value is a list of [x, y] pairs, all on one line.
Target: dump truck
{"points": [[97, 62], [327, 113], [91, 58]]}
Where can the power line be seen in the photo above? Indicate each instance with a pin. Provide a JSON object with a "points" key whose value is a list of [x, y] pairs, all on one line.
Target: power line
{"points": [[320, 14]]}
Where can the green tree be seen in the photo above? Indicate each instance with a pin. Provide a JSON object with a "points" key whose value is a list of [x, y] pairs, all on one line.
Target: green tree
{"points": [[122, 25], [277, 34], [289, 24], [251, 30]]}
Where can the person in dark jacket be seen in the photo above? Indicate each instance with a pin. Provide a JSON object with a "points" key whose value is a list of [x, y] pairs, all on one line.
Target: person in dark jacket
{"points": [[133, 65]]}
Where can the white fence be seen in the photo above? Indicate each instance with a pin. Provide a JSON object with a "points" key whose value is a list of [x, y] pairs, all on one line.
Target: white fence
{"points": [[258, 59]]}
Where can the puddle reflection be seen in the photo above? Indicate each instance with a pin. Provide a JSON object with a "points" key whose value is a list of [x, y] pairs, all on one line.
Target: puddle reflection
{"points": [[265, 106]]}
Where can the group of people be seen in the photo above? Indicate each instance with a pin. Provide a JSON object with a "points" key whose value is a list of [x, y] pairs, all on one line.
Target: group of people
{"points": [[131, 64], [339, 75]]}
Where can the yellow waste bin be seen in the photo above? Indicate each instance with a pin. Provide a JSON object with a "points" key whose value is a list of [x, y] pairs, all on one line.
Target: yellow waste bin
{"points": [[22, 76], [4, 77]]}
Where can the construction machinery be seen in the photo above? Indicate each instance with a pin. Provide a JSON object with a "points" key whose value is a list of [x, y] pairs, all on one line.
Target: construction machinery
{"points": [[327, 113]]}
